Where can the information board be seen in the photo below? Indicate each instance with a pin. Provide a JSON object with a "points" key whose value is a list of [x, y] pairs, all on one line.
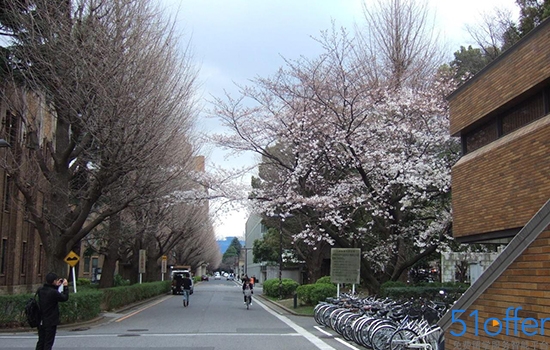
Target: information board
{"points": [[142, 260], [345, 265]]}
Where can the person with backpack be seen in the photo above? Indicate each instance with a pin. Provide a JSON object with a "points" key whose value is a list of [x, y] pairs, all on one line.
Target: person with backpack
{"points": [[49, 297], [248, 290]]}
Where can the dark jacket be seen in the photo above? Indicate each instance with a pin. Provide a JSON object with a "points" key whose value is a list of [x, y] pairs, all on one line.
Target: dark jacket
{"points": [[48, 299], [250, 286], [186, 283]]}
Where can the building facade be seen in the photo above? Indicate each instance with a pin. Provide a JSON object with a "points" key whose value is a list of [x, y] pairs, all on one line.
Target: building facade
{"points": [[501, 192], [255, 230]]}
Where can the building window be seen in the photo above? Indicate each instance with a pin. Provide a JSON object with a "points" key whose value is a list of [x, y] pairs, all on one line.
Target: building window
{"points": [[11, 127], [481, 136], [86, 264], [523, 114], [7, 193], [3, 257], [23, 258], [527, 111]]}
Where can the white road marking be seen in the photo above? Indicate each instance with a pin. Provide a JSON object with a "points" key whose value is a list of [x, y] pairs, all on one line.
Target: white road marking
{"points": [[335, 338], [313, 339]]}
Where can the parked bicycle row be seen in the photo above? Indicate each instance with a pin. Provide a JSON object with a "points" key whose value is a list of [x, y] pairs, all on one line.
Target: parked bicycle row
{"points": [[383, 324]]}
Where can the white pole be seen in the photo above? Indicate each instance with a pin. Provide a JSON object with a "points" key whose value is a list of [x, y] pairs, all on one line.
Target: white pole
{"points": [[338, 290], [140, 278], [74, 279]]}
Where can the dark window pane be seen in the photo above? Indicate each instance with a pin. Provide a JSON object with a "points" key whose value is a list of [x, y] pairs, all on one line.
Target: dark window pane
{"points": [[523, 114], [481, 137]]}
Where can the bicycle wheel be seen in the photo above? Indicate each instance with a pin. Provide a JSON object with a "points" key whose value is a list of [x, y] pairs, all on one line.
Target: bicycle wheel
{"points": [[325, 319], [318, 312], [333, 319], [401, 339], [348, 327], [381, 336], [363, 334]]}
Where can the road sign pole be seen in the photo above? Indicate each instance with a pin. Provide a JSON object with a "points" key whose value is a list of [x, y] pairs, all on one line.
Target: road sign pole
{"points": [[74, 279]]}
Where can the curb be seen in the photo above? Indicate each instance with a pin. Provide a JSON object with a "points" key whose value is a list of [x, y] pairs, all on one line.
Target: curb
{"points": [[290, 311]]}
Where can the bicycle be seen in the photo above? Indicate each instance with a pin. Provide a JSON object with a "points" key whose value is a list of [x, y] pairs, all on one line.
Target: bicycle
{"points": [[426, 339], [248, 297]]}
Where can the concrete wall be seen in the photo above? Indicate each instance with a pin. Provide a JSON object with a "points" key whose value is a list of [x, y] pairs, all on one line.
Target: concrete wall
{"points": [[478, 263]]}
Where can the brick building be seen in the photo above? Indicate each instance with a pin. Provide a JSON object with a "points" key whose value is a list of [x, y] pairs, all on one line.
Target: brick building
{"points": [[501, 192]]}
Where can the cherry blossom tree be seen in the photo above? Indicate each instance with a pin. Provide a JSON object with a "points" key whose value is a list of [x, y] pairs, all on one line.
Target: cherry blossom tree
{"points": [[363, 159]]}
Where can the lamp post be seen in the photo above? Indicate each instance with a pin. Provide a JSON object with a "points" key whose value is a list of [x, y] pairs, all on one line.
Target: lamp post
{"points": [[281, 258], [4, 143]]}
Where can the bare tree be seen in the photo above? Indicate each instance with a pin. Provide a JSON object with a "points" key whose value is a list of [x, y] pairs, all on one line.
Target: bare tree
{"points": [[494, 33], [400, 41], [118, 92]]}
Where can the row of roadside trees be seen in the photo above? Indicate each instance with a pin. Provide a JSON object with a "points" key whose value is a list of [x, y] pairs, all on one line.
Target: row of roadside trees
{"points": [[102, 98]]}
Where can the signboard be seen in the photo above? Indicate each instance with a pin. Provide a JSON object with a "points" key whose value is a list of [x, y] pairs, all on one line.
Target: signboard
{"points": [[163, 264], [345, 265], [72, 259], [142, 260]]}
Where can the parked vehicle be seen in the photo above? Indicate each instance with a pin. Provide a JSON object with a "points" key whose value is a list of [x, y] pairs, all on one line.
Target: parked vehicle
{"points": [[204, 278], [179, 275]]}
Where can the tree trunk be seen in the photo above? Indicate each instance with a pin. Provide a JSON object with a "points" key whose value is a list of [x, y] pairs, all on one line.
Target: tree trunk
{"points": [[111, 256]]}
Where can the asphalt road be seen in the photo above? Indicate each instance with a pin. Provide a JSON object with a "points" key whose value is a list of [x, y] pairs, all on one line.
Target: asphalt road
{"points": [[216, 318]]}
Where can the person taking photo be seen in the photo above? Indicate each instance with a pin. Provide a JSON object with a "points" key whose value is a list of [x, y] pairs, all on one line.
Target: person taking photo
{"points": [[54, 291]]}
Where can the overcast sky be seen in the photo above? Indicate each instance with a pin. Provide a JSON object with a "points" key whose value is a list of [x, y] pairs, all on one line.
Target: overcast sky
{"points": [[237, 40]]}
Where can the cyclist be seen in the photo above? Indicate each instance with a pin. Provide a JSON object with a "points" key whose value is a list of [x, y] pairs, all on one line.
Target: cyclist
{"points": [[248, 290], [186, 287]]}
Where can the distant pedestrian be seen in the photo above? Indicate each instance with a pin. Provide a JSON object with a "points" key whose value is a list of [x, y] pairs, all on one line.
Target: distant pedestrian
{"points": [[248, 290], [49, 297], [186, 284]]}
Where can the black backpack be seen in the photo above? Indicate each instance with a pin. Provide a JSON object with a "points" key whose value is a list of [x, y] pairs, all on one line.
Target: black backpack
{"points": [[32, 311]]}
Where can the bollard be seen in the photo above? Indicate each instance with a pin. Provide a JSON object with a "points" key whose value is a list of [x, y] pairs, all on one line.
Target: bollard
{"points": [[295, 300]]}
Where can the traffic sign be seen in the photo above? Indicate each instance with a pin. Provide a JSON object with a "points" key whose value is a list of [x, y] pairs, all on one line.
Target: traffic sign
{"points": [[72, 258]]}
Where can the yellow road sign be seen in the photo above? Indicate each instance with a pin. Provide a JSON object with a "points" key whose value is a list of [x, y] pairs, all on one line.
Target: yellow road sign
{"points": [[72, 258]]}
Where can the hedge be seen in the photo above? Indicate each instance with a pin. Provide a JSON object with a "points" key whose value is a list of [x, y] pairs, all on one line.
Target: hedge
{"points": [[430, 291], [271, 287], [83, 305], [311, 294]]}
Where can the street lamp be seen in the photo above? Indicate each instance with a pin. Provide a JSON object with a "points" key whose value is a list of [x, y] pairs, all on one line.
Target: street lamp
{"points": [[4, 143]]}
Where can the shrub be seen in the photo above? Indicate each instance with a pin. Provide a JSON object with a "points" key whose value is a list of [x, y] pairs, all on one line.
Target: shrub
{"points": [[83, 282], [312, 294], [325, 279], [321, 292], [431, 291], [304, 294], [271, 287], [119, 281], [390, 284]]}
